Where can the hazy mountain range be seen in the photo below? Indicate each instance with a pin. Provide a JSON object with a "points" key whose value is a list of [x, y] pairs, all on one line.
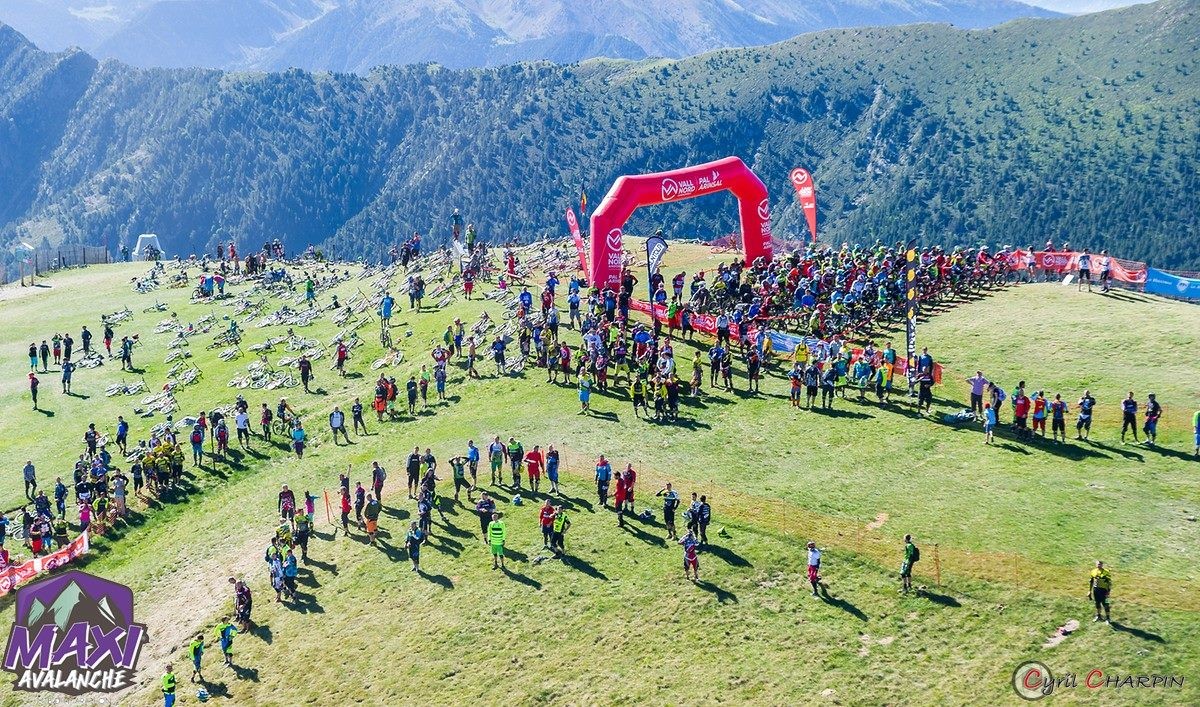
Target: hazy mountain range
{"points": [[356, 35]]}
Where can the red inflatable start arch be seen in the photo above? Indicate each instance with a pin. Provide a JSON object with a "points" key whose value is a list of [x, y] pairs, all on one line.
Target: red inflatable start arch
{"points": [[629, 193]]}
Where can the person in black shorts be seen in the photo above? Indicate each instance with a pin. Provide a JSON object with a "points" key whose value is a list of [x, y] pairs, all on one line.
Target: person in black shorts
{"points": [[1129, 408], [1085, 271], [1083, 426], [413, 467]]}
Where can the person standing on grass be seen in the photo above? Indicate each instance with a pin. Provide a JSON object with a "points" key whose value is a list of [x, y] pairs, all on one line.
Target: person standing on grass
{"points": [[552, 461], [497, 533], [303, 532], [413, 469], [306, 375], [484, 508], [703, 518], [371, 513], [1129, 421], [243, 603], [1083, 425], [603, 478], [345, 508], [86, 337], [458, 466], [68, 368], [691, 557], [196, 653], [1153, 412], [197, 439], [122, 434], [33, 388], [496, 459], [337, 423], [1058, 419], [911, 555], [814, 566], [558, 531], [33, 357], [360, 500], [299, 436], [546, 516], [516, 455], [670, 499], [1099, 585], [1196, 430], [356, 412], [989, 423], [45, 352], [533, 467], [412, 543], [29, 472], [265, 421], [472, 465], [225, 633], [241, 421], [378, 476], [168, 686], [57, 341]]}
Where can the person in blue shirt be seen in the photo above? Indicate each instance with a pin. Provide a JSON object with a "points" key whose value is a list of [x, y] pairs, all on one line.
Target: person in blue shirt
{"points": [[989, 422], [603, 477], [386, 305], [290, 571], [122, 433], [552, 282], [526, 299], [473, 463]]}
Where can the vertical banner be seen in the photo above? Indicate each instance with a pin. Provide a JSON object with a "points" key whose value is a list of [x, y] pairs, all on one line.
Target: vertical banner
{"points": [[910, 306], [573, 225], [656, 248], [806, 191]]}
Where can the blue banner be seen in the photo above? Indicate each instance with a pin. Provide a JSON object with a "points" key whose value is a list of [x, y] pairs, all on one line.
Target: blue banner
{"points": [[1168, 285]]}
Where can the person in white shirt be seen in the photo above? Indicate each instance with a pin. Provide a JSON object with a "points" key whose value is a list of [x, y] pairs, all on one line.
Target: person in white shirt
{"points": [[242, 422], [814, 566], [1105, 271]]}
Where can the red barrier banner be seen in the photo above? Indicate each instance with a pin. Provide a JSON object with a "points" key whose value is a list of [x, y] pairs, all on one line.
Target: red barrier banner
{"points": [[1121, 270], [14, 575], [573, 226], [806, 191]]}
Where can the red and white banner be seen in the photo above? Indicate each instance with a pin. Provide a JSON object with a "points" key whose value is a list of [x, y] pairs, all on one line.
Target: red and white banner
{"points": [[14, 575], [573, 226], [1121, 270], [806, 191]]}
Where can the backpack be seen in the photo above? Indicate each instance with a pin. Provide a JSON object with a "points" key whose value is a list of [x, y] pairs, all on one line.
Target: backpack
{"points": [[197, 437], [916, 554]]}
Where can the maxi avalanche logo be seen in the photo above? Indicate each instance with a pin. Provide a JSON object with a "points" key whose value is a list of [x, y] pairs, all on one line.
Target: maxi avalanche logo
{"points": [[74, 634]]}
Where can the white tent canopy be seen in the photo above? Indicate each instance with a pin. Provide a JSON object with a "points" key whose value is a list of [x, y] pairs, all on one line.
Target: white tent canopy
{"points": [[144, 241]]}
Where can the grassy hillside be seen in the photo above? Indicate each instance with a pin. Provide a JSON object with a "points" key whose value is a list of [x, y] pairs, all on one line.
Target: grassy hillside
{"points": [[1015, 526], [1080, 129]]}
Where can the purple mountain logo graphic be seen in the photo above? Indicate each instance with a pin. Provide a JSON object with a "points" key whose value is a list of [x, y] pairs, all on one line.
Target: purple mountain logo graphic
{"points": [[74, 633]]}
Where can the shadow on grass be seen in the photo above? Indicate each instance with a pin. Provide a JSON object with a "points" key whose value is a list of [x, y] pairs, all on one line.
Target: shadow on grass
{"points": [[940, 599], [842, 604], [1138, 633], [439, 579], [643, 535], [582, 565], [47, 413], [724, 596], [523, 579], [728, 555], [244, 673], [325, 567], [263, 632]]}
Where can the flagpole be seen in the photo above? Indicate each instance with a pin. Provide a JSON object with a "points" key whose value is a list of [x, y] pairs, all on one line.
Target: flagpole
{"points": [[650, 285]]}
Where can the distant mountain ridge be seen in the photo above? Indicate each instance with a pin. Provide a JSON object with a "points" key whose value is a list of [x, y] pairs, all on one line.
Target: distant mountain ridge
{"points": [[1082, 129], [357, 35]]}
